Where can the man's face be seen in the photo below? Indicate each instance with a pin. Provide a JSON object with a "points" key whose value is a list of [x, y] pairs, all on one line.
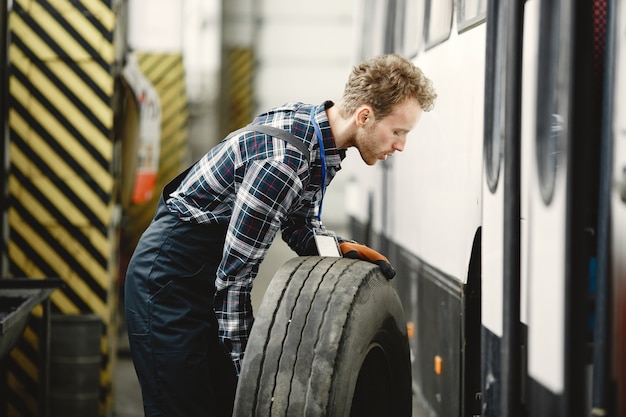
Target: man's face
{"points": [[377, 139]]}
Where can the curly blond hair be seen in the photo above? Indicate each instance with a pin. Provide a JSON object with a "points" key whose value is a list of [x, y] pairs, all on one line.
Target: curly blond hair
{"points": [[383, 82]]}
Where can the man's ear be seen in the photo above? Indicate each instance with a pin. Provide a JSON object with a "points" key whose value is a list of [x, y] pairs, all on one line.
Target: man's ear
{"points": [[363, 114]]}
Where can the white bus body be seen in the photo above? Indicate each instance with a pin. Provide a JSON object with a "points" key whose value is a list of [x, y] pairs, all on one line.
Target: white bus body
{"points": [[496, 214]]}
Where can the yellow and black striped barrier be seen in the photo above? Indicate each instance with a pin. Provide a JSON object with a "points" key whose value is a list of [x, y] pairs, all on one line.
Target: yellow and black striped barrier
{"points": [[238, 72], [61, 183], [63, 180]]}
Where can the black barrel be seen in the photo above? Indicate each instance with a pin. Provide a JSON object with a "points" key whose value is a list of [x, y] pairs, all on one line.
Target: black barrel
{"points": [[75, 365]]}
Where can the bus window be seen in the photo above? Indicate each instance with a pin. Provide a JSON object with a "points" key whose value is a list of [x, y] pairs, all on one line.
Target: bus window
{"points": [[438, 21], [413, 27], [470, 13]]}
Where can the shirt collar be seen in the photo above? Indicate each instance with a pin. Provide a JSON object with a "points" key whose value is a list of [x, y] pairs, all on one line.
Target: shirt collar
{"points": [[333, 155]]}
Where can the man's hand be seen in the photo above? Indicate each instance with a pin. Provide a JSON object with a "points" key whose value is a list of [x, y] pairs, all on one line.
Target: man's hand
{"points": [[358, 251]]}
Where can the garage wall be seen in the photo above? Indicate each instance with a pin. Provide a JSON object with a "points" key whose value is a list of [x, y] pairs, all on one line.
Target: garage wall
{"points": [[304, 52]]}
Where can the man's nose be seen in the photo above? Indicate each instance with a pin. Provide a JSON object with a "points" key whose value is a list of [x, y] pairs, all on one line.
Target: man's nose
{"points": [[398, 146]]}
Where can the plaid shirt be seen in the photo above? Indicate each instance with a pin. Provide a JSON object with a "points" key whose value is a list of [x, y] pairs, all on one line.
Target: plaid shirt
{"points": [[257, 184]]}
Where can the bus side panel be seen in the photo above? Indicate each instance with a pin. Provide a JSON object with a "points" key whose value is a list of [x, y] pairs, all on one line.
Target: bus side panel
{"points": [[435, 183], [618, 216], [562, 203], [490, 359], [438, 331], [433, 306]]}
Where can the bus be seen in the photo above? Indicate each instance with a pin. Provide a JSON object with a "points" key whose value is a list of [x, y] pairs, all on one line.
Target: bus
{"points": [[505, 215]]}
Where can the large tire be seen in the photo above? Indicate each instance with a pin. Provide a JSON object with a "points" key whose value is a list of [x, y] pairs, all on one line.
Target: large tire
{"points": [[329, 340]]}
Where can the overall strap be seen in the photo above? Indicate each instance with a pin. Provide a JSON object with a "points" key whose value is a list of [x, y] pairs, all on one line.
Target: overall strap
{"points": [[277, 133], [268, 130]]}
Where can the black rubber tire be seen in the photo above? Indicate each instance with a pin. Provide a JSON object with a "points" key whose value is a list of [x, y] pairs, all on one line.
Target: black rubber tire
{"points": [[329, 340]]}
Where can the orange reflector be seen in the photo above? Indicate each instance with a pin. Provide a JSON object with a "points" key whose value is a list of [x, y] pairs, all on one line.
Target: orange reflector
{"points": [[410, 329], [144, 186], [438, 364]]}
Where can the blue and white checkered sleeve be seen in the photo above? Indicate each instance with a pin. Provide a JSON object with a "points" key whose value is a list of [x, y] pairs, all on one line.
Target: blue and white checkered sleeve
{"points": [[267, 192]]}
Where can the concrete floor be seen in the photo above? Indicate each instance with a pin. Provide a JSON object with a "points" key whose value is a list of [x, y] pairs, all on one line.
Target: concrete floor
{"points": [[127, 395]]}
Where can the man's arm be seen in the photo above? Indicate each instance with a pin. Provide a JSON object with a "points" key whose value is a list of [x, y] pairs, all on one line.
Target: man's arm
{"points": [[265, 195], [297, 232]]}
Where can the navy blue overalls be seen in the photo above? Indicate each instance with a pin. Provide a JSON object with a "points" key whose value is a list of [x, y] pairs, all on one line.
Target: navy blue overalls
{"points": [[182, 368]]}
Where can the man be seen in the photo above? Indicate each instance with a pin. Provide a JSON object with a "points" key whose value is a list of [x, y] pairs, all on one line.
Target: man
{"points": [[188, 308]]}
